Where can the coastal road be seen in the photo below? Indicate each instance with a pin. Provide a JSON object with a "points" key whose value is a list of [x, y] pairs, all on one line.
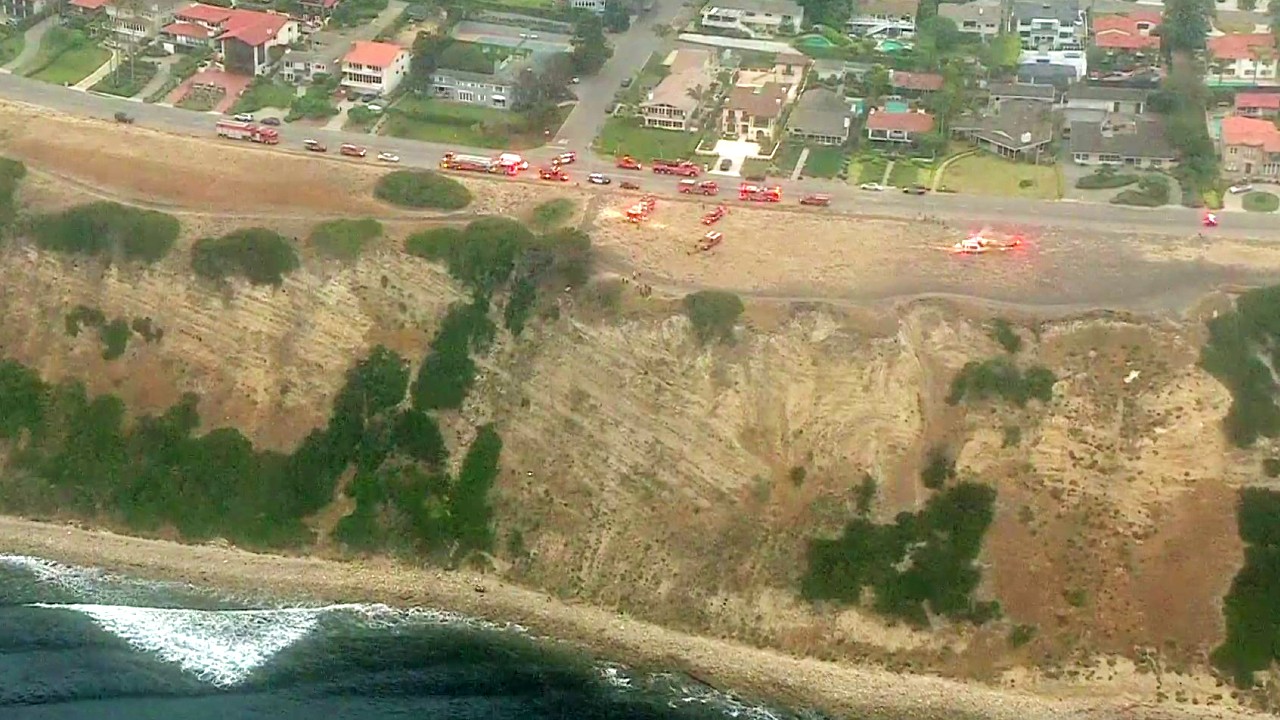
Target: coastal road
{"points": [[969, 209]]}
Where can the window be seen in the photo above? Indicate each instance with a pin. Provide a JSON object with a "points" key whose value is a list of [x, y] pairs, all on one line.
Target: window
{"points": [[466, 96], [1080, 157], [1233, 150], [1107, 158]]}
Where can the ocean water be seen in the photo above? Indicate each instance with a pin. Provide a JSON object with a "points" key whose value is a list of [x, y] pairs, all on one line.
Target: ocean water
{"points": [[81, 643]]}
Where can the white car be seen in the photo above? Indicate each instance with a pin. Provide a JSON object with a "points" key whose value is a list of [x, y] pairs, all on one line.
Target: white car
{"points": [[1239, 189], [244, 117], [598, 179], [374, 107], [388, 157], [872, 186]]}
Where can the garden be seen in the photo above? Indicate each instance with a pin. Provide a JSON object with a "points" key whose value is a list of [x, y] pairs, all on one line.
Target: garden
{"points": [[66, 57]]}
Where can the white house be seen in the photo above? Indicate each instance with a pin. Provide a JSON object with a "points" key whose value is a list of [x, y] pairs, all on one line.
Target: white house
{"points": [[1243, 58], [377, 67], [882, 18], [1048, 24], [595, 6], [982, 18], [246, 38], [755, 18]]}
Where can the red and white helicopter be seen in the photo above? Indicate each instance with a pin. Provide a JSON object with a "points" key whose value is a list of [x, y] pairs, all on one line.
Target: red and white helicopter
{"points": [[980, 242]]}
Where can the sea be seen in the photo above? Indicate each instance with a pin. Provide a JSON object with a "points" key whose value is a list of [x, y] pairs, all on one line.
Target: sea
{"points": [[82, 643]]}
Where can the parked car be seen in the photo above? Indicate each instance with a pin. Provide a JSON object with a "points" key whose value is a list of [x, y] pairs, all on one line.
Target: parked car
{"points": [[373, 107], [1240, 189], [565, 158], [271, 121], [628, 185], [368, 97], [915, 190], [725, 164], [126, 118], [388, 157], [314, 145], [877, 187], [244, 117], [598, 179]]}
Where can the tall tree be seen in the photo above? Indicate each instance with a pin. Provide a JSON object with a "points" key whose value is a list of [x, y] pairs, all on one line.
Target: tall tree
{"points": [[617, 17], [590, 49], [1185, 25], [427, 48]]}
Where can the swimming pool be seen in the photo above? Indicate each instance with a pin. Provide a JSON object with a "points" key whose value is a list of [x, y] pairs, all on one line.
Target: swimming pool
{"points": [[896, 106], [892, 46]]}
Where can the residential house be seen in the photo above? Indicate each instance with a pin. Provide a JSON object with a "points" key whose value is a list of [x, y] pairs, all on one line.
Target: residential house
{"points": [[249, 41], [898, 127], [1129, 101], [1258, 105], [1250, 148], [1242, 59], [85, 9], [883, 18], [910, 84], [755, 113], [1132, 32], [788, 70], [755, 18], [317, 12], [829, 70], [1059, 76], [673, 103], [595, 6], [1121, 140], [981, 18], [1013, 129], [999, 92], [301, 66], [498, 89], [134, 24], [19, 10], [374, 67], [820, 117], [1048, 24]]}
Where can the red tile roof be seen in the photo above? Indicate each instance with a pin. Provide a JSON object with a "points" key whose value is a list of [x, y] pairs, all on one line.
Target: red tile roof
{"points": [[205, 13], [373, 54], [1238, 130], [247, 26], [1241, 46], [916, 81], [1121, 32], [186, 29], [912, 122], [1266, 101], [90, 4]]}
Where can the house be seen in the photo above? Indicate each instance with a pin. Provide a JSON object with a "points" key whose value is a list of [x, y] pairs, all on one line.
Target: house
{"points": [[1250, 148], [497, 88], [788, 70], [882, 18], [820, 117], [898, 127], [755, 18], [827, 70], [85, 9], [249, 41], [317, 11], [1048, 24], [1131, 32], [595, 6], [673, 104], [755, 113], [914, 84], [982, 18], [19, 10], [999, 92], [1243, 58], [374, 67], [1258, 105], [301, 66], [1013, 129], [1121, 140], [1128, 101], [1059, 76]]}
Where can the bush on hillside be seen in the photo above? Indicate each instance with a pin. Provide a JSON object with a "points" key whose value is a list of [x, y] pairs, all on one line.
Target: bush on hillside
{"points": [[259, 255], [713, 314], [1003, 333], [111, 230], [552, 213], [11, 174], [448, 372], [1242, 349], [938, 469], [1250, 609], [422, 189], [1000, 377], [344, 239], [1152, 191]]}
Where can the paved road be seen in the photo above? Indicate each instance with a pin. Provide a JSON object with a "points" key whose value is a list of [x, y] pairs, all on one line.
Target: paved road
{"points": [[960, 208]]}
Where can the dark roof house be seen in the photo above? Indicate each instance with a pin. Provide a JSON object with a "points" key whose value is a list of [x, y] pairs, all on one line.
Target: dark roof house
{"points": [[1121, 140], [1016, 129], [821, 116]]}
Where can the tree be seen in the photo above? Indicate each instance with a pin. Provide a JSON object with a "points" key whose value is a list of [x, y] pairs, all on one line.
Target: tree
{"points": [[832, 13], [1003, 52], [427, 48], [590, 49], [1185, 26], [616, 16], [877, 82], [936, 37], [1274, 10]]}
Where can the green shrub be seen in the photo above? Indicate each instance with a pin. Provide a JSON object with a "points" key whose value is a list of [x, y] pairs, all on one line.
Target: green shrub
{"points": [[11, 174], [1003, 333], [1106, 180], [713, 314], [865, 495], [1261, 202], [261, 256], [115, 338], [448, 372], [344, 239], [82, 315], [111, 230], [435, 244], [1243, 346], [149, 331], [1020, 635], [999, 377], [925, 562], [938, 470], [552, 213], [469, 510], [422, 189], [1152, 191]]}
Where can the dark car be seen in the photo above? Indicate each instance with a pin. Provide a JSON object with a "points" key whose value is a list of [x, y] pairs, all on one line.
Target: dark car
{"points": [[627, 185], [725, 164], [915, 190], [270, 121]]}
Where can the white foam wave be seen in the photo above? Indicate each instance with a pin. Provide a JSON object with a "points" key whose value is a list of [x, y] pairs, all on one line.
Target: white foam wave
{"points": [[77, 579]]}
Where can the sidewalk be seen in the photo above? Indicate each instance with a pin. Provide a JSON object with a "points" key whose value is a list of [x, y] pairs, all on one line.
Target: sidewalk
{"points": [[31, 43], [93, 77]]}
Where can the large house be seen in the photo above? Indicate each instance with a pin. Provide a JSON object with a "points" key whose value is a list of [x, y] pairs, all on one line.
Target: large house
{"points": [[376, 67], [1014, 129], [673, 104], [497, 88], [1128, 32], [821, 117], [299, 66], [755, 113], [915, 84], [882, 18], [1129, 101], [19, 10], [898, 127], [1258, 105], [1243, 58], [1121, 140], [981, 18], [249, 41], [999, 92], [85, 9], [1048, 25], [755, 18], [134, 24], [1250, 148]]}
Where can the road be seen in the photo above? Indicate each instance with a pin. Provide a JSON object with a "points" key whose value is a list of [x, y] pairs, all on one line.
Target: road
{"points": [[972, 209]]}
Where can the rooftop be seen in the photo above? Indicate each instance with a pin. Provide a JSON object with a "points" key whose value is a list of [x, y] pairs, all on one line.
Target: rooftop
{"points": [[905, 8], [913, 122], [248, 26], [89, 4], [674, 88], [916, 81], [1267, 101], [1015, 124], [373, 54], [1263, 134], [765, 101], [760, 7], [1066, 12], [1110, 94], [979, 11], [1241, 46], [821, 112], [1125, 136], [185, 29], [687, 59], [1128, 31], [1022, 90]]}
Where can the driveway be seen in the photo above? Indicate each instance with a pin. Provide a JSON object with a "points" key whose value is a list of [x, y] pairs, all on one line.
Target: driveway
{"points": [[630, 52], [31, 45]]}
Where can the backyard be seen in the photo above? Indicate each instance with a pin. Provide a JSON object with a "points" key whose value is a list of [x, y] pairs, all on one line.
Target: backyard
{"points": [[65, 57], [985, 174], [625, 136], [428, 120]]}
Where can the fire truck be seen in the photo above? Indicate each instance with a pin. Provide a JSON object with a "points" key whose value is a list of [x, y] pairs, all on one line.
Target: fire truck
{"points": [[471, 163], [714, 216], [683, 168], [693, 187], [555, 172], [641, 210], [759, 193], [512, 163], [247, 131], [626, 162]]}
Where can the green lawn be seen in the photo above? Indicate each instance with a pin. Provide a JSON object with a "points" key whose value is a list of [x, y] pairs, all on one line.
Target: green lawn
{"points": [[430, 120], [11, 46], [126, 82], [263, 94], [903, 174], [1261, 202], [986, 174], [624, 136], [74, 65], [825, 162], [870, 170]]}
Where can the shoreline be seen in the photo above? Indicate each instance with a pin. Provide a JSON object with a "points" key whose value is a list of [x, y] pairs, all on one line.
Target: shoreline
{"points": [[838, 689]]}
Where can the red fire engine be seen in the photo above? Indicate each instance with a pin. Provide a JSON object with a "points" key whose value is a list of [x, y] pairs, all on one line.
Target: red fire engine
{"points": [[714, 216], [759, 193], [676, 167], [247, 131], [641, 210], [693, 187], [626, 162], [471, 163]]}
